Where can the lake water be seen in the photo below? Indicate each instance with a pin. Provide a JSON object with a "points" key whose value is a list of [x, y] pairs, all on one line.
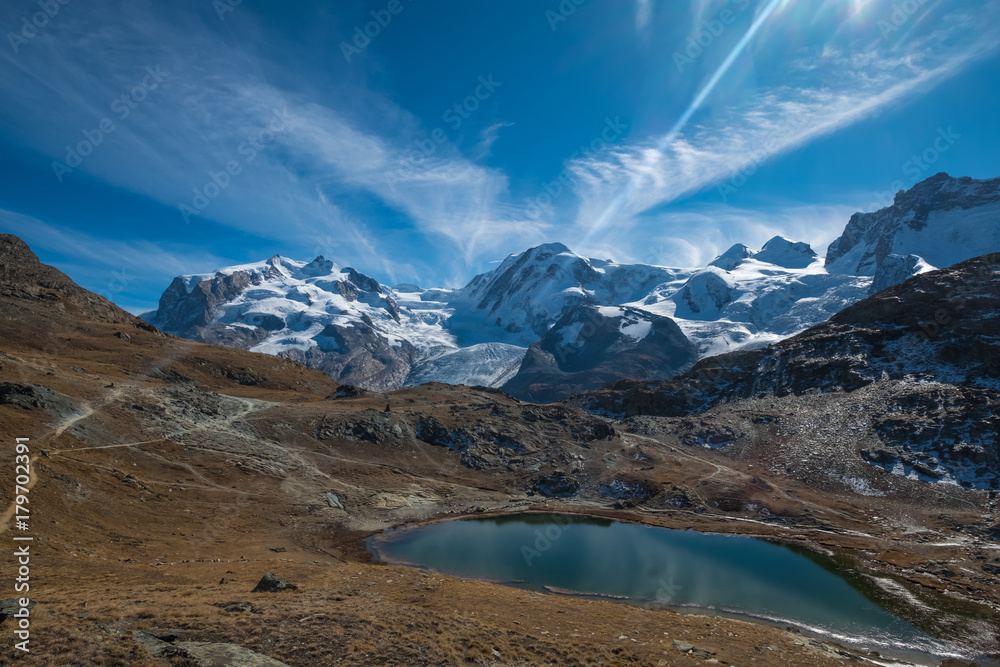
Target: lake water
{"points": [[649, 565]]}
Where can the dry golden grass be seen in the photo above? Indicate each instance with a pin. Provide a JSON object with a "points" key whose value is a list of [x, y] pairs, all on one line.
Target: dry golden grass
{"points": [[355, 614]]}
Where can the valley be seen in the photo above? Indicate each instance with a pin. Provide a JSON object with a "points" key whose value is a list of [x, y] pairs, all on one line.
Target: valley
{"points": [[171, 475]]}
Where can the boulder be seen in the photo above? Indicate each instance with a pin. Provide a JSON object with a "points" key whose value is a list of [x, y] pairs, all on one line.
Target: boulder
{"points": [[271, 583], [11, 606], [223, 655], [557, 486]]}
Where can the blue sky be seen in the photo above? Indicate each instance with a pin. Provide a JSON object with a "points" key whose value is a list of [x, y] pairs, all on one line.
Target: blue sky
{"points": [[223, 132]]}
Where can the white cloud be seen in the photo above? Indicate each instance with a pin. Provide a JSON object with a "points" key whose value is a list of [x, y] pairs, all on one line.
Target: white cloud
{"points": [[213, 97], [487, 137], [625, 181], [643, 14]]}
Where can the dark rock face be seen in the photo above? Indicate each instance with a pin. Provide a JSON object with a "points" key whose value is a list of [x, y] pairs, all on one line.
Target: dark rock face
{"points": [[929, 342], [941, 433], [557, 486], [244, 376], [433, 432], [271, 583], [876, 232], [358, 355], [183, 313], [894, 269], [590, 347], [626, 487]]}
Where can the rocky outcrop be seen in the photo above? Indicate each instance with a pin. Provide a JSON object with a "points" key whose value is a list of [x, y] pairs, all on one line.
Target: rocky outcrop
{"points": [[184, 312], [590, 347], [523, 441], [629, 487], [368, 426], [271, 583], [203, 654], [557, 486], [894, 269]]}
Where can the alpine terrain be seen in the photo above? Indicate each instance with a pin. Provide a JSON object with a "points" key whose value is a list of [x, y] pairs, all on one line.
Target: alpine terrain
{"points": [[209, 503], [538, 325]]}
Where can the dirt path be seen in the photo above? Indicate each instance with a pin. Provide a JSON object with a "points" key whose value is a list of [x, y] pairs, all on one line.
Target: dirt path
{"points": [[88, 410], [248, 406]]}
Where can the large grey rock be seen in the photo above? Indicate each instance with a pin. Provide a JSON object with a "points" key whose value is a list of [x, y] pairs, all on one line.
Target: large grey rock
{"points": [[156, 647], [271, 583], [333, 501], [225, 655], [11, 606]]}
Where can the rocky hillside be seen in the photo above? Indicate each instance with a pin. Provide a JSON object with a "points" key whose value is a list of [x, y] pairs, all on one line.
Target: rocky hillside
{"points": [[926, 352], [591, 346], [28, 284]]}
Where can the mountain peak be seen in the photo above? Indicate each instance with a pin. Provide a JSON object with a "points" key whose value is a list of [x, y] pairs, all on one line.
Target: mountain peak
{"points": [[942, 219], [549, 249], [25, 277], [732, 258], [786, 253], [779, 251]]}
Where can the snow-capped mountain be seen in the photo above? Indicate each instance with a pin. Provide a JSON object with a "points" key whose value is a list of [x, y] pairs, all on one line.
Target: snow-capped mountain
{"points": [[745, 299], [338, 320], [942, 220], [367, 334], [527, 293]]}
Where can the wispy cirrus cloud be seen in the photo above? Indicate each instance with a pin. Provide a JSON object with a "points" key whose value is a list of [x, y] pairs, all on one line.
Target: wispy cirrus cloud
{"points": [[624, 182], [214, 98], [343, 161]]}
